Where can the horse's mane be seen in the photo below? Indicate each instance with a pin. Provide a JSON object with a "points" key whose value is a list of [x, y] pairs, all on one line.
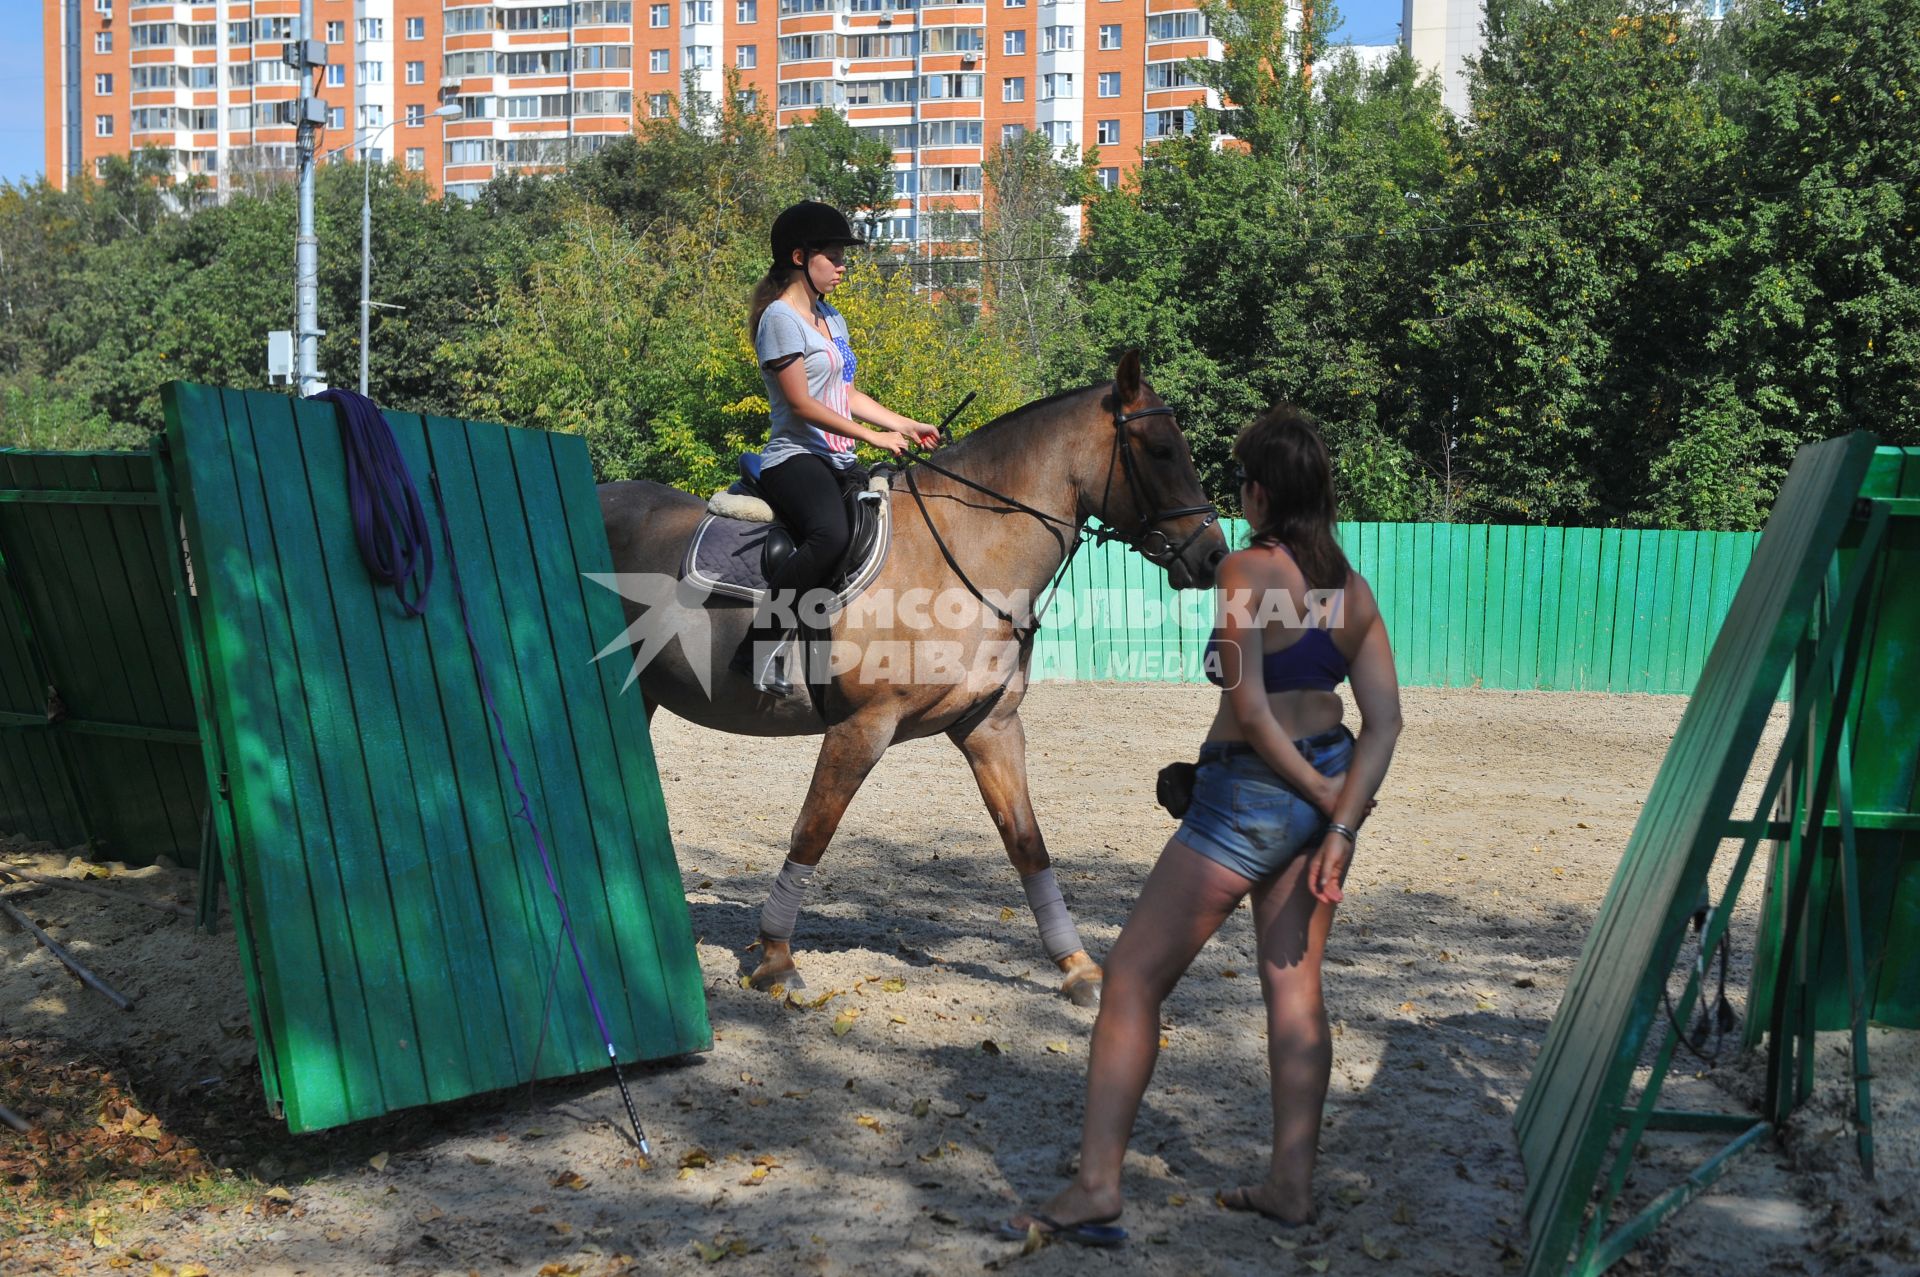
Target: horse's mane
{"points": [[981, 443]]}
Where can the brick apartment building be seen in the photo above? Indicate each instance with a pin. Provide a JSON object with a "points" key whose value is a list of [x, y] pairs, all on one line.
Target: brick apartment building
{"points": [[541, 82]]}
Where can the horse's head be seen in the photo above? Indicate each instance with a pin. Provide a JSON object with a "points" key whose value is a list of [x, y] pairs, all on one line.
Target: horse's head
{"points": [[1146, 490]]}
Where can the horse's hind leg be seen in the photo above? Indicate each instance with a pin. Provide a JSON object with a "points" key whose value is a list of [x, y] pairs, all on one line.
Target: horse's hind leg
{"points": [[848, 753], [996, 749]]}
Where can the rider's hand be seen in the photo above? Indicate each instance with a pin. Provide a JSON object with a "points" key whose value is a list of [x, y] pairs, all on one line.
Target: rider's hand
{"points": [[889, 441], [927, 435]]}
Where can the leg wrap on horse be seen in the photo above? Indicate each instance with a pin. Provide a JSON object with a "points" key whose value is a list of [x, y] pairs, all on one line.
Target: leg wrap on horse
{"points": [[1057, 932], [782, 909]]}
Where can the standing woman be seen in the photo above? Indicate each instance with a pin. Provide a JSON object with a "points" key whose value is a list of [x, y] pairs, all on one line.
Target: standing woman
{"points": [[1281, 790], [808, 367]]}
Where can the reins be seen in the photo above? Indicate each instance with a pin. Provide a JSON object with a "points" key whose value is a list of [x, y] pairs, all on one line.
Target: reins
{"points": [[1138, 540]]}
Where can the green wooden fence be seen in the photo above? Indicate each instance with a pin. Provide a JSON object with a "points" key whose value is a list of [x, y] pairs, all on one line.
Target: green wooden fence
{"points": [[1468, 605]]}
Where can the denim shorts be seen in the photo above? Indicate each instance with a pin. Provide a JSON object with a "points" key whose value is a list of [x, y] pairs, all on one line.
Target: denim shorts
{"points": [[1248, 819]]}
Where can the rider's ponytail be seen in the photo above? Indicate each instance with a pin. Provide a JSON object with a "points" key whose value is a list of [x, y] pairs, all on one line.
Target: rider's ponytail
{"points": [[765, 293]]}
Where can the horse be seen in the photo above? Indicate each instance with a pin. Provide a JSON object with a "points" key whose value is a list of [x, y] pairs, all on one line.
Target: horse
{"points": [[994, 517]]}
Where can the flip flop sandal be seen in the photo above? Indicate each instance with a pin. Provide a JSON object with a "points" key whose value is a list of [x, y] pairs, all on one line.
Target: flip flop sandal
{"points": [[1089, 1232]]}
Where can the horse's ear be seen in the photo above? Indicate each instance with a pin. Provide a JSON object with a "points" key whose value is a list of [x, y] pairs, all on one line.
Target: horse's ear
{"points": [[1126, 378]]}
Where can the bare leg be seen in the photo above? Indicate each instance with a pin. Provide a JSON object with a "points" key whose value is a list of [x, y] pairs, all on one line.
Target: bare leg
{"points": [[847, 755], [996, 749], [1185, 900], [1292, 928]]}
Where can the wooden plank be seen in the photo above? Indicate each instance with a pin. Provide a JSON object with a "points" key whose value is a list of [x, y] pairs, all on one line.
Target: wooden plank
{"points": [[1677, 608], [389, 708], [279, 811], [1548, 655], [638, 783], [1418, 639], [1389, 580], [1476, 610], [1533, 558], [1458, 538], [373, 952], [504, 628], [520, 931]]}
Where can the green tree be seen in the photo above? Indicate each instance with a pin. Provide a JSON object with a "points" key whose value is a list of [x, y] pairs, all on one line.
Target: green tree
{"points": [[843, 168], [1028, 292]]}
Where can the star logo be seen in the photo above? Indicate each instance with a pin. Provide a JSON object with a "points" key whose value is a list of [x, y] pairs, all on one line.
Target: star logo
{"points": [[670, 608]]}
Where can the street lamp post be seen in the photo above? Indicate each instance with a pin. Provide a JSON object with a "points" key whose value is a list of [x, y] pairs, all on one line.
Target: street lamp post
{"points": [[447, 112]]}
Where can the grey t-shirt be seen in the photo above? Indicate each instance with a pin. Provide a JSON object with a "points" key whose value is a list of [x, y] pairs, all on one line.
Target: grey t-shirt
{"points": [[830, 366]]}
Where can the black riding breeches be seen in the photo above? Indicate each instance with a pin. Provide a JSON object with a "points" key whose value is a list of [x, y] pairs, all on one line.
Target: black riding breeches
{"points": [[807, 495]]}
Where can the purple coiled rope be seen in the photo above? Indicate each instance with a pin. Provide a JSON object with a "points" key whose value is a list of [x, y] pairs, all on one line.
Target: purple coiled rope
{"points": [[388, 523]]}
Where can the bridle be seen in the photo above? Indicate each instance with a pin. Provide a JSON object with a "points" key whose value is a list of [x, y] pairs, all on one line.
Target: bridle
{"points": [[1148, 540]]}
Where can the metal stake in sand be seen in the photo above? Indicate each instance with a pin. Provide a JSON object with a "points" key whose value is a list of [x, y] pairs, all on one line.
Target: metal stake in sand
{"points": [[92, 889], [87, 977]]}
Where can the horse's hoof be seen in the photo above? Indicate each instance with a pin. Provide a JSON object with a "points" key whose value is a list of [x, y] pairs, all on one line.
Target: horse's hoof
{"points": [[1082, 990], [776, 971]]}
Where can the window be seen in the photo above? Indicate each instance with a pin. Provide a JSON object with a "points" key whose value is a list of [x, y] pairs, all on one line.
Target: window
{"points": [[337, 117], [899, 137], [597, 13], [370, 116], [1013, 89], [370, 29], [1011, 133], [336, 32], [659, 104], [699, 57], [1110, 36], [746, 11], [692, 11], [458, 66], [803, 93], [659, 61], [870, 45], [1109, 84], [551, 17], [903, 183], [1013, 43], [945, 179], [416, 158], [1059, 132], [470, 150], [266, 29], [603, 102], [416, 115], [103, 41], [953, 40], [1109, 178], [1057, 85], [373, 73], [103, 126], [103, 85], [106, 7], [1176, 26], [416, 30], [416, 73], [746, 56], [943, 133], [1107, 132], [1015, 4], [153, 35], [239, 118], [459, 21], [875, 92], [531, 62], [238, 33], [601, 57], [336, 74], [657, 15], [806, 48], [749, 100], [1161, 124], [1056, 38], [1168, 75]]}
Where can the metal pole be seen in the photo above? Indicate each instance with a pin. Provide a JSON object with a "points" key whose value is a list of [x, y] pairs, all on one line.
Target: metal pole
{"points": [[306, 260], [366, 242]]}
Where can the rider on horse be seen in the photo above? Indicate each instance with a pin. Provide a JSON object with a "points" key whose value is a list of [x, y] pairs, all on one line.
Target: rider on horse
{"points": [[808, 366]]}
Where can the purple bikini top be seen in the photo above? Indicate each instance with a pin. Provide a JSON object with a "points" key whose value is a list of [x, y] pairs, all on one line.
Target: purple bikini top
{"points": [[1310, 663]]}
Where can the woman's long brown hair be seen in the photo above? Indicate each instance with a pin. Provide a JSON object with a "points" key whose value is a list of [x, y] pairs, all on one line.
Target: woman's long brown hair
{"points": [[1283, 452], [765, 294]]}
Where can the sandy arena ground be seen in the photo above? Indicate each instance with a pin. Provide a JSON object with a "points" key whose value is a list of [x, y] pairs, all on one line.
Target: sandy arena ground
{"points": [[954, 1095]]}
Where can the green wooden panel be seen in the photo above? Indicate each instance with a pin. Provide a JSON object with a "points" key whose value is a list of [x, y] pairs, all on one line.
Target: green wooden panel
{"points": [[1475, 619], [87, 611], [1547, 666], [1885, 760], [1458, 535], [1678, 614], [1533, 559], [1566, 1118], [394, 910]]}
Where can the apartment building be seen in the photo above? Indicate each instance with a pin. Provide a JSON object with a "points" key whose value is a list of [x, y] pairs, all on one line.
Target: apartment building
{"points": [[541, 83]]}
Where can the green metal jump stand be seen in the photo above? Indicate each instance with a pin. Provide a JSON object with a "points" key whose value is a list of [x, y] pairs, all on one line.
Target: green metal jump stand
{"points": [[1820, 600]]}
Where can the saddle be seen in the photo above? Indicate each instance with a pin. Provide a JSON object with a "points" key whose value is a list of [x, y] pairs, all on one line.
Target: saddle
{"points": [[739, 546]]}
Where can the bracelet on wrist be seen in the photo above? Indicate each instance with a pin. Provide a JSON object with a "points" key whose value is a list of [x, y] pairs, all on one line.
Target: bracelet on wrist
{"points": [[1335, 827]]}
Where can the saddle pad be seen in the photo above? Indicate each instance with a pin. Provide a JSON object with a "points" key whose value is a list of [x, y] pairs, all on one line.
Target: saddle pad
{"points": [[725, 555]]}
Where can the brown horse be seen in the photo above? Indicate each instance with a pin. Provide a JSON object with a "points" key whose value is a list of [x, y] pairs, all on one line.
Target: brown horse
{"points": [[993, 519]]}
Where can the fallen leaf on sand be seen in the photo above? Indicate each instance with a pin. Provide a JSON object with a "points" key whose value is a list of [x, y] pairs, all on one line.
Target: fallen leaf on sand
{"points": [[1058, 1048], [1006, 914], [1401, 1215], [920, 1107], [892, 986], [428, 1214], [754, 1178], [568, 1179], [989, 1047], [278, 1194], [843, 1023], [478, 1160], [378, 1161], [1318, 1265], [1352, 1196], [1377, 1250], [871, 1123]]}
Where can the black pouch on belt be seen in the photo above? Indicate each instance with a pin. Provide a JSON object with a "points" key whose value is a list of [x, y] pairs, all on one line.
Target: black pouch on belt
{"points": [[1174, 788]]}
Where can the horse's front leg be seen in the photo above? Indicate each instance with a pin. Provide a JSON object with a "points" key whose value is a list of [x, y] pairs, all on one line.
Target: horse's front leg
{"points": [[996, 749], [848, 753]]}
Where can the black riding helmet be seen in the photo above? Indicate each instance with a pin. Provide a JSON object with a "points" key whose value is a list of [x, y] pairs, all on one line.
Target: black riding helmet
{"points": [[812, 226]]}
